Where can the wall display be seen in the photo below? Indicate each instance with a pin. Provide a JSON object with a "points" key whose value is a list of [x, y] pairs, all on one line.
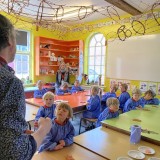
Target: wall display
{"points": [[143, 86], [153, 86]]}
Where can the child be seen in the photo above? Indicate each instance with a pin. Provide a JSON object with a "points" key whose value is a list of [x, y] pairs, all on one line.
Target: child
{"points": [[110, 112], [135, 102], [149, 98], [94, 104], [48, 109], [124, 96], [76, 87], [112, 93], [62, 131], [64, 89], [41, 91]]}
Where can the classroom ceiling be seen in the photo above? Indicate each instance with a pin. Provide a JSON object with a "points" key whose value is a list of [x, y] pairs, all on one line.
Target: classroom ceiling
{"points": [[70, 12]]}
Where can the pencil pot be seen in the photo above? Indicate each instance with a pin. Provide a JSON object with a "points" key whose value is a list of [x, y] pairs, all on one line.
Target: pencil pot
{"points": [[135, 135]]}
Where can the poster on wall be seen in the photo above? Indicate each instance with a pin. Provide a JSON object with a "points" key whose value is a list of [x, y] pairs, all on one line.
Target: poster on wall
{"points": [[128, 84], [143, 86], [153, 86], [158, 88]]}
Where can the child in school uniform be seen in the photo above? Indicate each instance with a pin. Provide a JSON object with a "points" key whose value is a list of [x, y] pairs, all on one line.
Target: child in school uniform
{"points": [[124, 96], [41, 91], [93, 104], [76, 87], [149, 98], [64, 89], [111, 93], [110, 112], [135, 102], [48, 109], [62, 131]]}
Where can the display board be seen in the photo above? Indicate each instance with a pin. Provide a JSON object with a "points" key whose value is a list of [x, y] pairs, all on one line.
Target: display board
{"points": [[136, 58]]}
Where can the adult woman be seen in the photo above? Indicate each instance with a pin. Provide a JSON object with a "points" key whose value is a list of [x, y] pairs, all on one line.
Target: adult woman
{"points": [[15, 144], [62, 75]]}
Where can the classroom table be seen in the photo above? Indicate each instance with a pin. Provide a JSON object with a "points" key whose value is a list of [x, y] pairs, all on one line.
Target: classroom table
{"points": [[147, 119], [79, 153], [29, 91], [31, 112], [76, 100], [111, 144]]}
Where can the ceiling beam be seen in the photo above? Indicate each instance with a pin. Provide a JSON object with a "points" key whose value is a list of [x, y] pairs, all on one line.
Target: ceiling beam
{"points": [[125, 7]]}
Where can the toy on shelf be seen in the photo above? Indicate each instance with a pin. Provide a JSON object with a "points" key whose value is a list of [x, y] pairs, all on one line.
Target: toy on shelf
{"points": [[53, 57]]}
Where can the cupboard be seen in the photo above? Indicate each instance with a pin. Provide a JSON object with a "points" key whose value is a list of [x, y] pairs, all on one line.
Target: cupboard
{"points": [[50, 53]]}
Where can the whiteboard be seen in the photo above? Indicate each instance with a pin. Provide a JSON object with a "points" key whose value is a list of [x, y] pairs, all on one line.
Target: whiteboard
{"points": [[136, 58]]}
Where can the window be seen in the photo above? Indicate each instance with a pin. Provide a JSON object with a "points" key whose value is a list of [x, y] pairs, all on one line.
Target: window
{"points": [[96, 58], [22, 59]]}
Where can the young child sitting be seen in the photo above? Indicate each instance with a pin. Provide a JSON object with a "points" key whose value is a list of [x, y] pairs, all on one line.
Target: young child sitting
{"points": [[110, 112], [76, 87], [64, 89], [62, 131], [149, 98], [135, 102], [124, 96], [93, 105], [41, 91], [112, 93], [48, 109]]}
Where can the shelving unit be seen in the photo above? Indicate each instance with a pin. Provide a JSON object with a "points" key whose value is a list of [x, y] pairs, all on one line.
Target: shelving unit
{"points": [[50, 52]]}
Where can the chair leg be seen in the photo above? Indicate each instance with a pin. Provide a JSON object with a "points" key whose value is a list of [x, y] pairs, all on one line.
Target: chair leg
{"points": [[80, 125], [29, 125]]}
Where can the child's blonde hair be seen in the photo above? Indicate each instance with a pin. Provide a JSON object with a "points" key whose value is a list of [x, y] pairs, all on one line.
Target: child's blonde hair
{"points": [[125, 86], [48, 95], [95, 88], [114, 86], [67, 107], [76, 81], [39, 82], [136, 91], [113, 101]]}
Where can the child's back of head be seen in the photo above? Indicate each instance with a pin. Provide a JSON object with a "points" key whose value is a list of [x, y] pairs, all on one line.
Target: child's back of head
{"points": [[95, 90], [76, 83], [124, 87], [113, 88], [40, 84], [113, 104]]}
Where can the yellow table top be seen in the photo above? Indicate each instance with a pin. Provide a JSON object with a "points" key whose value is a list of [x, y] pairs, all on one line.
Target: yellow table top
{"points": [[111, 144], [79, 153]]}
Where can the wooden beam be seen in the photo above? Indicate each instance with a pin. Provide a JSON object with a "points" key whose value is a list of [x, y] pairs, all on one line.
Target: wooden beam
{"points": [[125, 7]]}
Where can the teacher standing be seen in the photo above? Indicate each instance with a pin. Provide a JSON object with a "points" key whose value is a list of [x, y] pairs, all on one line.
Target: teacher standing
{"points": [[15, 144]]}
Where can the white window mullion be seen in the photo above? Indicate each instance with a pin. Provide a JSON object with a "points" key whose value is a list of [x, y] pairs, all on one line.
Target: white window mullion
{"points": [[98, 42]]}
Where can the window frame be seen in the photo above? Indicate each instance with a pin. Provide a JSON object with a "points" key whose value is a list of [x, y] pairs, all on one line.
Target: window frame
{"points": [[102, 57], [25, 52]]}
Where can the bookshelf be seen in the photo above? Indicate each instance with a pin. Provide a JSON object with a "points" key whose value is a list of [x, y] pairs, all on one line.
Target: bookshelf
{"points": [[49, 53]]}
